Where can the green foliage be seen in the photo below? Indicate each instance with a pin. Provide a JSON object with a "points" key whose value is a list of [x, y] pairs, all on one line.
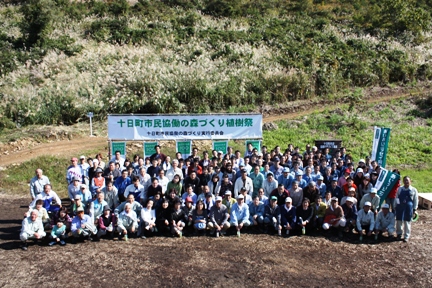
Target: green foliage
{"points": [[213, 55], [17, 177], [37, 20]]}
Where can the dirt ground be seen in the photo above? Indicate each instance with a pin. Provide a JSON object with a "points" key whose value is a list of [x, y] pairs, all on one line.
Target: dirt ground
{"points": [[251, 261]]}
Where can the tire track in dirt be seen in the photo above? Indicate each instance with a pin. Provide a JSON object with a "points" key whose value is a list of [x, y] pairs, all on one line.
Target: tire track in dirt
{"points": [[372, 99], [77, 145], [63, 148]]}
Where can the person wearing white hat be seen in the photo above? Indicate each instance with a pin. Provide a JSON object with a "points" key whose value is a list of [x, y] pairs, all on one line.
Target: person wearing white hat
{"points": [[239, 214], [385, 222], [228, 201], [351, 194], [350, 211], [373, 198], [219, 216], [365, 220], [358, 176], [288, 216]]}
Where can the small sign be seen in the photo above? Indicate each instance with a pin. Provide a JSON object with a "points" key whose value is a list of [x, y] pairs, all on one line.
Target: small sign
{"points": [[220, 146], [149, 148], [255, 144], [185, 148], [119, 146], [333, 145], [90, 114]]}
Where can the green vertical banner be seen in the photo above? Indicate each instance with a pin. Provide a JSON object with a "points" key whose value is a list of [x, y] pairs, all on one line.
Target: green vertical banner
{"points": [[380, 145], [220, 146], [119, 146], [149, 148], [255, 144], [385, 183], [185, 148]]}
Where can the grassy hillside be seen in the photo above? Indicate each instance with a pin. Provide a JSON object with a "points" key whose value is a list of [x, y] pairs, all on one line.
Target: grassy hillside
{"points": [[60, 59]]}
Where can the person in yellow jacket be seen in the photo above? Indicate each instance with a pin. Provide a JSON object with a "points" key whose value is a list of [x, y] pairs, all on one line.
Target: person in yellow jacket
{"points": [[319, 209]]}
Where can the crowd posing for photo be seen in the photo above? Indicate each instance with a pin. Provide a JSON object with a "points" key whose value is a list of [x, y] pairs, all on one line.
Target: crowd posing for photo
{"points": [[279, 192]]}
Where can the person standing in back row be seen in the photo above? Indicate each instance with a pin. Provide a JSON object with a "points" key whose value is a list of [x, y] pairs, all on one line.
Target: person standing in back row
{"points": [[406, 206]]}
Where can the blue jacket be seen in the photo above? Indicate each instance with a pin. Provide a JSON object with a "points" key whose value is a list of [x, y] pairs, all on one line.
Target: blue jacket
{"points": [[239, 214], [121, 184], [256, 210], [77, 222], [287, 182]]}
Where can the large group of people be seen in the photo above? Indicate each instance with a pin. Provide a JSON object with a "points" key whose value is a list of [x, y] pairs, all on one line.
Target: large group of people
{"points": [[269, 191]]}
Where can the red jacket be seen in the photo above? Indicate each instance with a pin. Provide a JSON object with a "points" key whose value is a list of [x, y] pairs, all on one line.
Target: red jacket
{"points": [[392, 193]]}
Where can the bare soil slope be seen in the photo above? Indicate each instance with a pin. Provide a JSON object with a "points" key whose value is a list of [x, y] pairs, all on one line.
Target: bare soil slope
{"points": [[251, 261]]}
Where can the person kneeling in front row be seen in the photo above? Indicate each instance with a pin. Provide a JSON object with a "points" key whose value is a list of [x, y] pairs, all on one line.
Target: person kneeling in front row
{"points": [[127, 223], [32, 228], [365, 220], [82, 225], [218, 223], [240, 214], [334, 216], [107, 223], [385, 222]]}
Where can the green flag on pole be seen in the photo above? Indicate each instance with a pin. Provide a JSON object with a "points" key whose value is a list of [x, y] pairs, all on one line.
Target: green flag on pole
{"points": [[380, 145]]}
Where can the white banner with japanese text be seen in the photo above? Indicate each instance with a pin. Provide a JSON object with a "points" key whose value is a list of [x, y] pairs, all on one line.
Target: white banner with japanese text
{"points": [[191, 127]]}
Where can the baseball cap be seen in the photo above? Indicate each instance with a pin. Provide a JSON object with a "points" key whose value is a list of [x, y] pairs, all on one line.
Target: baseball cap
{"points": [[362, 161], [373, 190], [83, 186], [74, 159], [273, 198], [334, 199], [82, 157], [218, 198], [189, 199], [320, 177], [276, 159], [269, 174], [80, 209], [299, 173], [359, 170], [77, 197], [286, 170], [244, 170], [385, 206], [351, 189], [227, 192], [240, 196], [75, 179], [350, 199], [367, 204], [347, 171], [288, 199]]}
